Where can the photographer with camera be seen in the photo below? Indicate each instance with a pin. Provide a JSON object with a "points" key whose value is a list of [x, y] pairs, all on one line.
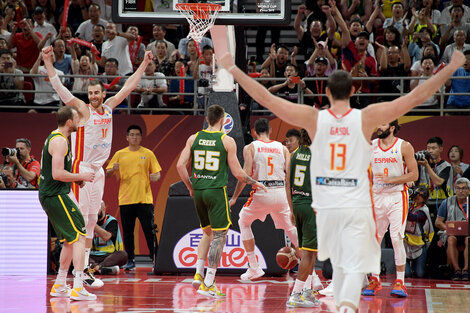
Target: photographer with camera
{"points": [[7, 180], [435, 173], [25, 168], [419, 232]]}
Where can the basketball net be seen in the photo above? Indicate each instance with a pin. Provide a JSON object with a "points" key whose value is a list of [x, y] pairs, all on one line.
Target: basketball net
{"points": [[200, 16]]}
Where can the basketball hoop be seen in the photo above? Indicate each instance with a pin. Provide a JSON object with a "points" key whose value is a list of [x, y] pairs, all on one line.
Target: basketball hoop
{"points": [[200, 16]]}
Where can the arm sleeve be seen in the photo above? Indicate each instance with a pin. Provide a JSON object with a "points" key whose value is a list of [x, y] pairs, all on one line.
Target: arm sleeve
{"points": [[63, 92]]}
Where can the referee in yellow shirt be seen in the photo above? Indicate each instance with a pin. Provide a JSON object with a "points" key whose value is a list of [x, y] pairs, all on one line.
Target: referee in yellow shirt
{"points": [[135, 167]]}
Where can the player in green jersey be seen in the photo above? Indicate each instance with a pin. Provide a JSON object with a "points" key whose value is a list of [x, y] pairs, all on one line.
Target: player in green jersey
{"points": [[300, 196], [211, 154], [54, 188]]}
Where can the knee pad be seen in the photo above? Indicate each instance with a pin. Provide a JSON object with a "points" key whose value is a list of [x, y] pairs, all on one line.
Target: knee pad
{"points": [[245, 229], [90, 225]]}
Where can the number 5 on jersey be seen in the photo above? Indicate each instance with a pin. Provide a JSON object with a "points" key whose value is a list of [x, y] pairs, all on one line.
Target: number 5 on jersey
{"points": [[208, 160]]}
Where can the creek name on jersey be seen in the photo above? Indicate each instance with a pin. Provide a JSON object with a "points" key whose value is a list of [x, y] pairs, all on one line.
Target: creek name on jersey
{"points": [[207, 143]]}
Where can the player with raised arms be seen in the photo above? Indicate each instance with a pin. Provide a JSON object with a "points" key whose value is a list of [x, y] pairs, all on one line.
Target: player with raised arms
{"points": [[341, 152]]}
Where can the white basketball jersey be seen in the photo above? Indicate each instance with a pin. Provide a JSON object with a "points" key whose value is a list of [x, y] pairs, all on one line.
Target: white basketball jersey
{"points": [[340, 162], [268, 161], [91, 143], [390, 163]]}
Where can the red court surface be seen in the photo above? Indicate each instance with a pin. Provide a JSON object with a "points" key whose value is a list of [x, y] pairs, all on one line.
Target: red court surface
{"points": [[138, 292]]}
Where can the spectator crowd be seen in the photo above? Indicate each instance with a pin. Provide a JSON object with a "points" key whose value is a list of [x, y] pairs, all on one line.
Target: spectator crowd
{"points": [[369, 38]]}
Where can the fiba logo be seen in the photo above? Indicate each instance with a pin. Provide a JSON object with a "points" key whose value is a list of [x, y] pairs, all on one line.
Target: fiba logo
{"points": [[228, 123]]}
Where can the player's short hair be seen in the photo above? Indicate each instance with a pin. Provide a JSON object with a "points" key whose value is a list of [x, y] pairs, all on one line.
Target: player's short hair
{"points": [[437, 140], [95, 82], [340, 83], [466, 52], [262, 126], [293, 133], [133, 126], [207, 47], [397, 126], [214, 114], [304, 138], [64, 114]]}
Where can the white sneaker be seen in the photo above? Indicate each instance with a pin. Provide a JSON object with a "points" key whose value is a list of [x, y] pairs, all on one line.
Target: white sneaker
{"points": [[90, 280], [62, 291], [328, 291], [317, 285], [81, 294], [251, 274], [297, 301]]}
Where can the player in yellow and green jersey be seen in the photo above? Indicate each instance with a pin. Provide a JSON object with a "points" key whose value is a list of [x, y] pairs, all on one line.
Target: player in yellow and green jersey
{"points": [[211, 154]]}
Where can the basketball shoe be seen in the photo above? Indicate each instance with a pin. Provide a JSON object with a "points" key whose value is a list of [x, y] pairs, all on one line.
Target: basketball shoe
{"points": [[90, 280], [317, 285], [251, 273], [198, 279], [373, 288], [309, 295], [399, 289], [211, 291], [112, 270], [81, 294], [61, 291], [328, 291], [296, 300]]}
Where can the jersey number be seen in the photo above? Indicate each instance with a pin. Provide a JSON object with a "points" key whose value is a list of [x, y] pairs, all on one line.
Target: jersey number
{"points": [[270, 166], [386, 171], [299, 175], [338, 151], [208, 160]]}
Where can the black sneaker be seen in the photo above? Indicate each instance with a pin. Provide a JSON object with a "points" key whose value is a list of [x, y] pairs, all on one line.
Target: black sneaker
{"points": [[465, 276], [130, 265], [457, 276], [113, 270], [90, 279]]}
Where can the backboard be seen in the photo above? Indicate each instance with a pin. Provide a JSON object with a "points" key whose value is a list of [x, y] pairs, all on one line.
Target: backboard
{"points": [[234, 12]]}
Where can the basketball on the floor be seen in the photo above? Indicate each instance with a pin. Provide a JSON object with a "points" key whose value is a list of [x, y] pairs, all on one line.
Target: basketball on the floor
{"points": [[286, 258]]}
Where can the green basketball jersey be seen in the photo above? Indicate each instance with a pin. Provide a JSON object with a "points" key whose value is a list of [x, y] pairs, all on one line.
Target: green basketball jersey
{"points": [[209, 168], [300, 175], [47, 185]]}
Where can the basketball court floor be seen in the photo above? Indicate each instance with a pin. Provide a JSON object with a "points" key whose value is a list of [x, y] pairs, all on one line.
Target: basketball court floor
{"points": [[138, 292]]}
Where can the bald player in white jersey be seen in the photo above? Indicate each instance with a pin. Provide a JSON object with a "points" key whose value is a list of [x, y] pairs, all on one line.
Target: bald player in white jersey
{"points": [[340, 171], [268, 161], [393, 165], [92, 143]]}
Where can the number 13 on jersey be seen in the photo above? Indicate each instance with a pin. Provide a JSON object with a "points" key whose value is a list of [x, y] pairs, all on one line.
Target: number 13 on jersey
{"points": [[338, 156]]}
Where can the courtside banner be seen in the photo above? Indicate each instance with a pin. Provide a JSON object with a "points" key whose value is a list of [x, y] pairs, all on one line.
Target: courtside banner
{"points": [[233, 256]]}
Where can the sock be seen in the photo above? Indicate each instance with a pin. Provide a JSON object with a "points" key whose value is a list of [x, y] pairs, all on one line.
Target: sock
{"points": [[252, 259], [401, 276], [346, 309], [298, 286], [78, 280], [376, 276], [309, 282], [87, 257], [200, 267], [61, 277], [210, 277]]}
